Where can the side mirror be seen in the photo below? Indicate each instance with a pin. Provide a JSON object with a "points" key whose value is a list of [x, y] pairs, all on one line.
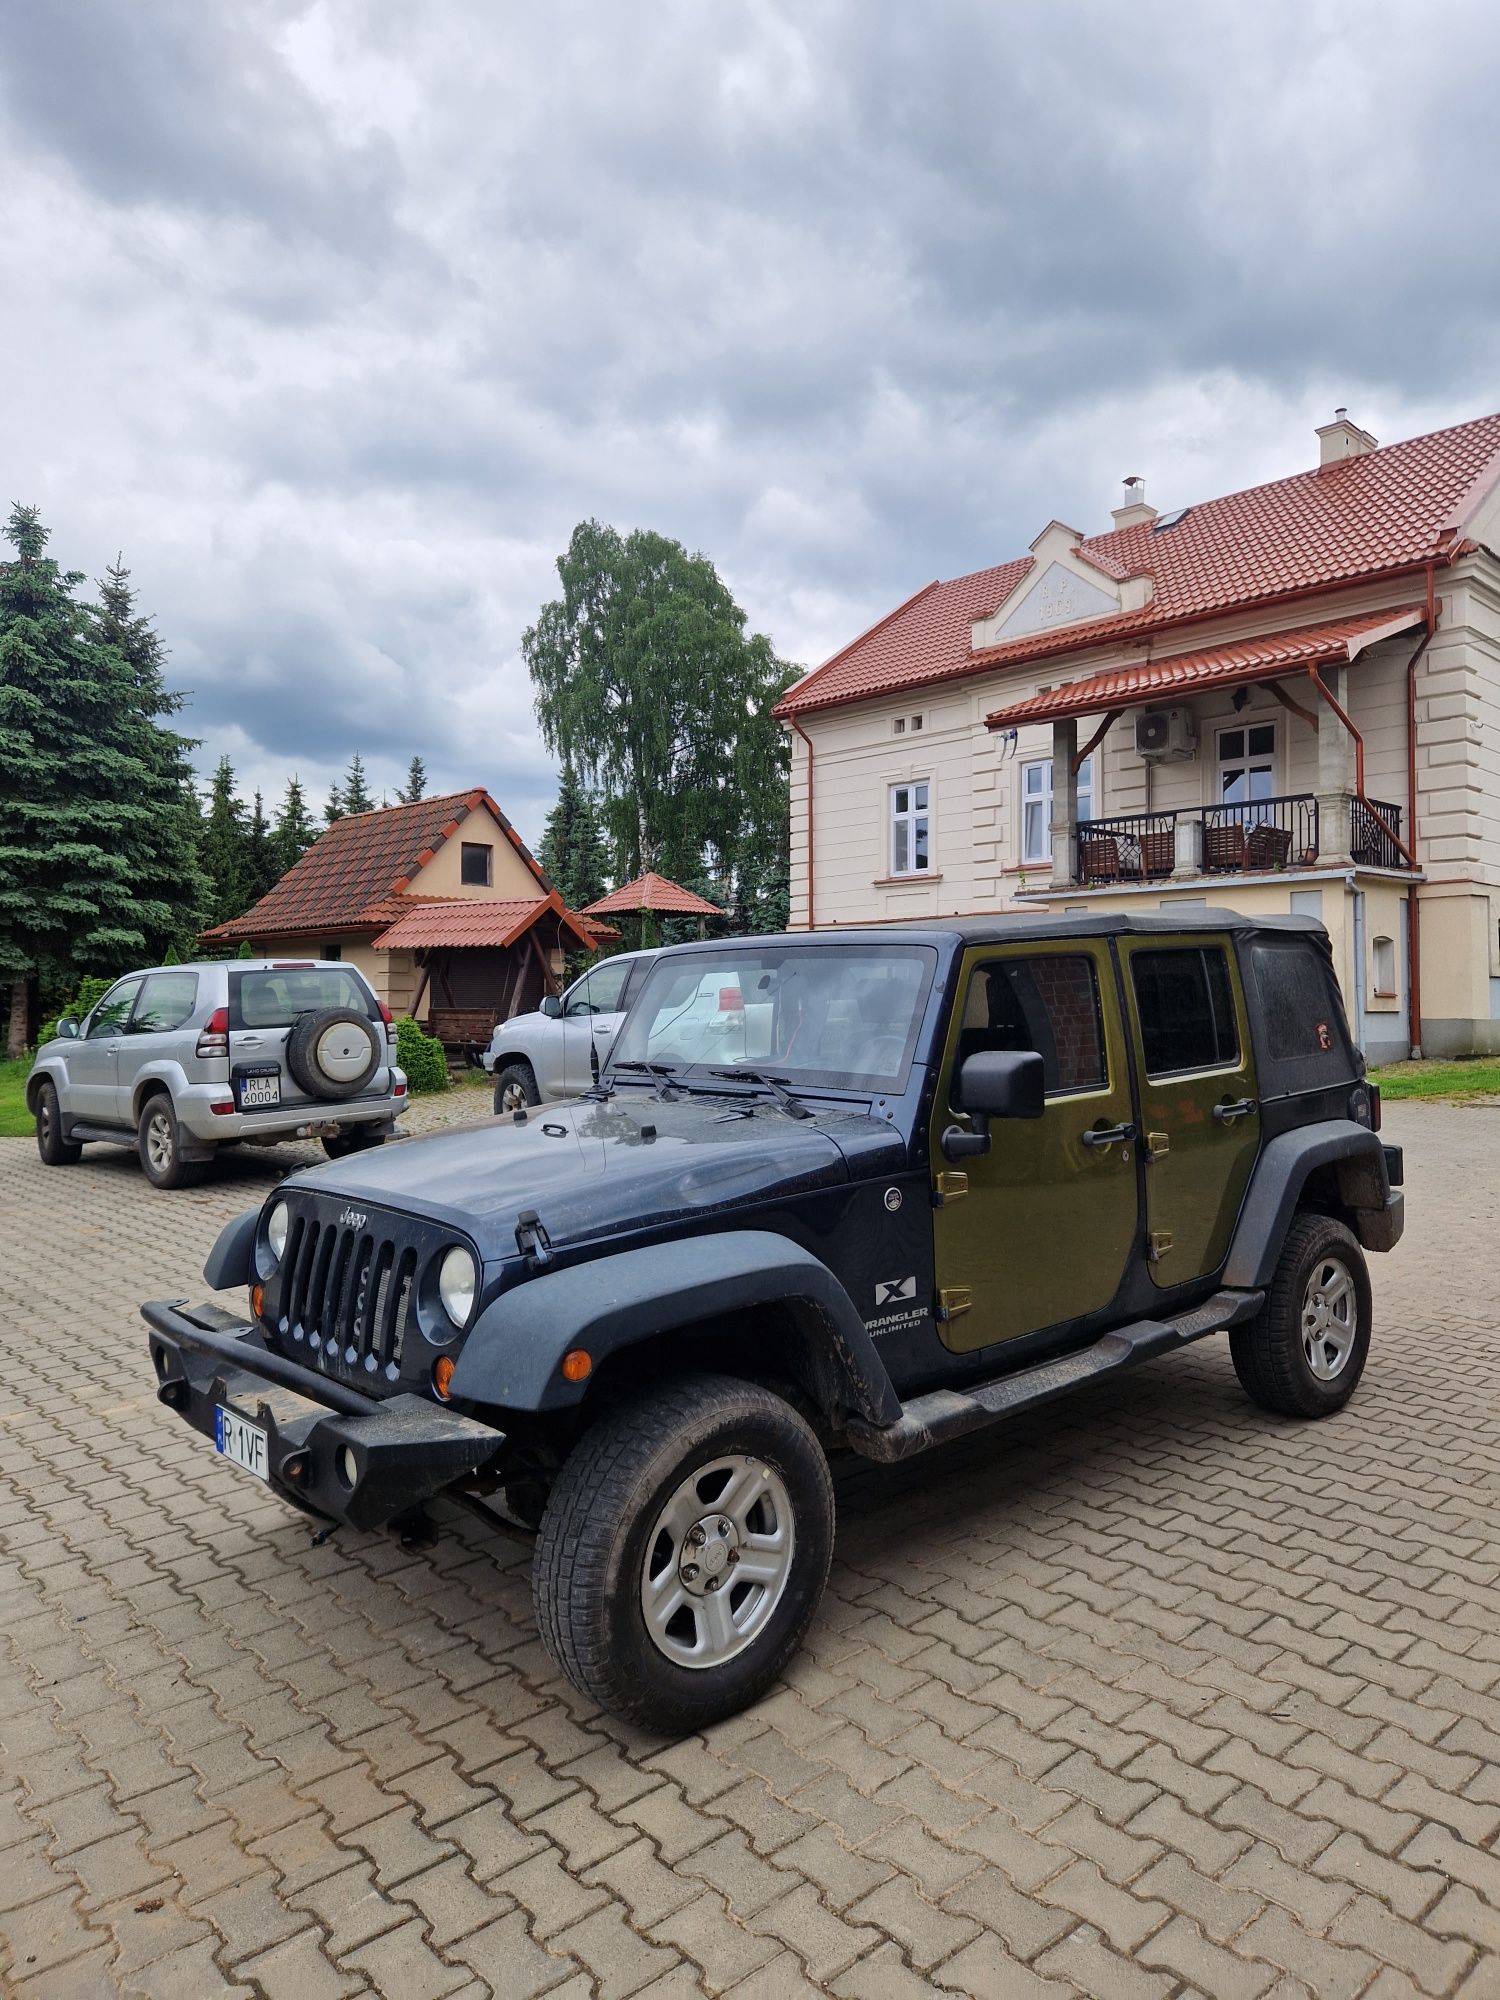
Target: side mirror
{"points": [[551, 1006], [995, 1083], [67, 1028]]}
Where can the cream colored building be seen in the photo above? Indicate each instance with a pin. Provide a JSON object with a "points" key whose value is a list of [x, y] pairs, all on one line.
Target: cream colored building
{"points": [[1287, 699]]}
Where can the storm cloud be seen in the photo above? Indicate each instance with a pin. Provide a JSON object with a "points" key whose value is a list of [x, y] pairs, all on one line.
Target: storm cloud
{"points": [[336, 316]]}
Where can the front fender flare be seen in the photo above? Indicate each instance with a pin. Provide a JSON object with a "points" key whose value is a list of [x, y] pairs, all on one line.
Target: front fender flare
{"points": [[1276, 1188], [512, 1353]]}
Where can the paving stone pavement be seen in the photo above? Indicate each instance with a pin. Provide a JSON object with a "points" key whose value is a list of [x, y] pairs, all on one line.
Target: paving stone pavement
{"points": [[1152, 1694]]}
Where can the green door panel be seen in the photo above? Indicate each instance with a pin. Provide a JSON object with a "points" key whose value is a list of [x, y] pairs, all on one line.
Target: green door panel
{"points": [[1186, 1010], [1046, 1225]]}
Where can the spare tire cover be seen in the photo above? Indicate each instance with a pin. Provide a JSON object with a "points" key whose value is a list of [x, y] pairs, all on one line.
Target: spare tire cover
{"points": [[333, 1054]]}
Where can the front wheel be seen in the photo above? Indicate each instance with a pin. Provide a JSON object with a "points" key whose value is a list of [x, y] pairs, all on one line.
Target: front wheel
{"points": [[1304, 1352], [56, 1151], [515, 1088], [683, 1551]]}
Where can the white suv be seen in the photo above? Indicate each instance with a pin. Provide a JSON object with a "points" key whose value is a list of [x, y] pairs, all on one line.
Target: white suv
{"points": [[559, 1050], [182, 1059]]}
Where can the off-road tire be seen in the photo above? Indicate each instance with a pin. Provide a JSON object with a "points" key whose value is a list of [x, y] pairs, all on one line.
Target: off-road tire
{"points": [[339, 1145], [515, 1076], [1268, 1351], [158, 1145], [591, 1549], [56, 1151], [302, 1051]]}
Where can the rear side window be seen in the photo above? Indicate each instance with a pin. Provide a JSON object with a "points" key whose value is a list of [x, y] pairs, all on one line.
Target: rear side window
{"points": [[1301, 1013], [1049, 1004], [273, 998], [1185, 1001], [167, 1001]]}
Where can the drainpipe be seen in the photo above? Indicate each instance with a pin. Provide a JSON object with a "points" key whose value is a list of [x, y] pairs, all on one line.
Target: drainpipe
{"points": [[1413, 919], [808, 741]]}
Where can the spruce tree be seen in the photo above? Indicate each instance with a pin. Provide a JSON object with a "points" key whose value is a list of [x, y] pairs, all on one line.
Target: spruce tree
{"points": [[416, 783], [166, 864], [358, 797], [572, 846], [80, 772], [334, 807], [294, 831], [260, 862], [226, 848]]}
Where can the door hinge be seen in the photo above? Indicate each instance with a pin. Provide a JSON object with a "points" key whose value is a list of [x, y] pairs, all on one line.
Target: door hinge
{"points": [[1158, 1143], [1158, 1244], [950, 1187], [953, 1300]]}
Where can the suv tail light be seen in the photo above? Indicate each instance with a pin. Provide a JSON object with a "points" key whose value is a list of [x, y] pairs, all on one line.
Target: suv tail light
{"points": [[390, 1025], [1374, 1090], [214, 1040], [1364, 1105]]}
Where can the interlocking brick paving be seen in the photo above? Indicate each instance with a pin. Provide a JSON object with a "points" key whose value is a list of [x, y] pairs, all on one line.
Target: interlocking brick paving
{"points": [[1149, 1694]]}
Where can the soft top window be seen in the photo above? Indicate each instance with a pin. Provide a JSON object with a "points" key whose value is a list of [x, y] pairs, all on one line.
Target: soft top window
{"points": [[275, 996], [1301, 1013]]}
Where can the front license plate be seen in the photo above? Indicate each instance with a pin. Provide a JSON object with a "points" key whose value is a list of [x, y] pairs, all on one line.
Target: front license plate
{"points": [[260, 1091], [243, 1444]]}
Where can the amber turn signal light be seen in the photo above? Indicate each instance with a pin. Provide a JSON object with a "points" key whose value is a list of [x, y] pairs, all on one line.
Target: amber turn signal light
{"points": [[257, 1299], [576, 1365], [442, 1375]]}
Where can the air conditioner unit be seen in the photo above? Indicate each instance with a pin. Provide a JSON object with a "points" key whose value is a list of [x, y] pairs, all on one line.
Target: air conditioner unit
{"points": [[1165, 733]]}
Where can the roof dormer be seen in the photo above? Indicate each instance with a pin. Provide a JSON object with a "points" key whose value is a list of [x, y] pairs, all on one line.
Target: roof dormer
{"points": [[1064, 585]]}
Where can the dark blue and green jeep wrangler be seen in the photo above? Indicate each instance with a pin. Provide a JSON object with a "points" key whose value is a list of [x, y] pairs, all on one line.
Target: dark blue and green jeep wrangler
{"points": [[864, 1190]]}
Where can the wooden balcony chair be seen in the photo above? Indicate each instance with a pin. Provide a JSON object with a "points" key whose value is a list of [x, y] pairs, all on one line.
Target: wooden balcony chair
{"points": [[1099, 858]]}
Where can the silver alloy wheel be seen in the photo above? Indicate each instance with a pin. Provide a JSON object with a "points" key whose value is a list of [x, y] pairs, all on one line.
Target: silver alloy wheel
{"points": [[1330, 1318], [44, 1115], [513, 1096], [717, 1561], [159, 1142]]}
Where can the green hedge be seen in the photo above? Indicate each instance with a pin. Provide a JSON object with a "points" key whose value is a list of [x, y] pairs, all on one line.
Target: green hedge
{"points": [[421, 1056], [90, 992]]}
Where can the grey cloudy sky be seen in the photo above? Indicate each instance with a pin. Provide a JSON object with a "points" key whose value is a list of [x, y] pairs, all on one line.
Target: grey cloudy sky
{"points": [[335, 315]]}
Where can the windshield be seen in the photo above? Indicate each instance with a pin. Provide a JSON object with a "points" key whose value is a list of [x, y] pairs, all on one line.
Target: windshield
{"points": [[841, 1016]]}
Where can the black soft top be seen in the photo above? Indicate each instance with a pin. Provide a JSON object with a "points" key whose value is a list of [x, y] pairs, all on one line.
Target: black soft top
{"points": [[1020, 928]]}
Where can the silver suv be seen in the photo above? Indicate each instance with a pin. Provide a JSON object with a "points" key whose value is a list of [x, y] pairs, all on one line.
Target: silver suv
{"points": [[182, 1059], [557, 1051]]}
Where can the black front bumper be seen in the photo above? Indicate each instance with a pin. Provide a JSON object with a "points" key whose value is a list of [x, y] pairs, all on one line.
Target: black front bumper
{"points": [[330, 1450]]}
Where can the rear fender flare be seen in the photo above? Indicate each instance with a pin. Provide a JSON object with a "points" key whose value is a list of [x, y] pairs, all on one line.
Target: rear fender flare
{"points": [[512, 1354], [1277, 1185]]}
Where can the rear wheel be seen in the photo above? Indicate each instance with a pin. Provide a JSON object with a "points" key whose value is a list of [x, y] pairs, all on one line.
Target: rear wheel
{"points": [[515, 1088], [1304, 1352], [339, 1145], [56, 1151], [683, 1551], [158, 1141]]}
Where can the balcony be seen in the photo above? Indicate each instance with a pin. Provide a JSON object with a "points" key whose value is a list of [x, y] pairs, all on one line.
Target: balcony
{"points": [[1268, 836]]}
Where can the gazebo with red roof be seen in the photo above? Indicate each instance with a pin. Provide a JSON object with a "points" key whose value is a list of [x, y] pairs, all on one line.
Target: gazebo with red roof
{"points": [[652, 895]]}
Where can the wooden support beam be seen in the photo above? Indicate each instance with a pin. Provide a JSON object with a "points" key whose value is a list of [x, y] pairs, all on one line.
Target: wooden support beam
{"points": [[1308, 715], [1096, 739]]}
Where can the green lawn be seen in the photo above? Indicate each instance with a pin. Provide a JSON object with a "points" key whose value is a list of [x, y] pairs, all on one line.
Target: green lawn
{"points": [[15, 1120], [1454, 1080]]}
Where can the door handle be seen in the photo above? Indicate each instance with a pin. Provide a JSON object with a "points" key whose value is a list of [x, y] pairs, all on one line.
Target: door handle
{"points": [[112, 1048], [249, 1041], [1096, 1139], [1241, 1107]]}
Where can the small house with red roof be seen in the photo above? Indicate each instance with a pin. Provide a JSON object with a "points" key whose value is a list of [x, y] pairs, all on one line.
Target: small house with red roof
{"points": [[440, 904], [1283, 700]]}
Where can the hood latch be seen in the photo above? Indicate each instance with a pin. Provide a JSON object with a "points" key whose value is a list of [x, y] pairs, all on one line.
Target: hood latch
{"points": [[532, 1239]]}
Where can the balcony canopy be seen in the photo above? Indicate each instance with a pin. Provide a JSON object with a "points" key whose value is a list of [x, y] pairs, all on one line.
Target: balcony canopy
{"points": [[1271, 657]]}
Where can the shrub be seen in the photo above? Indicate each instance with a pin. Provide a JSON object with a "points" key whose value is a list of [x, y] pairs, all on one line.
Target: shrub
{"points": [[421, 1056], [90, 992]]}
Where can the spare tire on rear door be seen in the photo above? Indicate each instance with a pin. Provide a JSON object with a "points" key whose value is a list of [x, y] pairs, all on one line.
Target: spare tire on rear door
{"points": [[333, 1053]]}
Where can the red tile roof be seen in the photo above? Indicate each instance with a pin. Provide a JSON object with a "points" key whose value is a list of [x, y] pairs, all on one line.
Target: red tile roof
{"points": [[475, 923], [1341, 639], [1389, 510], [654, 892], [348, 878]]}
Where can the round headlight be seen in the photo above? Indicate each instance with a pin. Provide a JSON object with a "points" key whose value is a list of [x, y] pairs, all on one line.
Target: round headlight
{"points": [[277, 1224], [458, 1279]]}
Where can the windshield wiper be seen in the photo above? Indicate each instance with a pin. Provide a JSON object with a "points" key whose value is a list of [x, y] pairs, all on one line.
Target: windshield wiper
{"points": [[660, 1074], [775, 1084]]}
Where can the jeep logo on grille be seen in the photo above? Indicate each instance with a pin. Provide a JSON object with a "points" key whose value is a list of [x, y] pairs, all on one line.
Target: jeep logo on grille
{"points": [[353, 1218]]}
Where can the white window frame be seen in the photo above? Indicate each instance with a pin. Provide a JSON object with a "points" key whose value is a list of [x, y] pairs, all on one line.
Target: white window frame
{"points": [[1041, 795], [913, 817], [1246, 723]]}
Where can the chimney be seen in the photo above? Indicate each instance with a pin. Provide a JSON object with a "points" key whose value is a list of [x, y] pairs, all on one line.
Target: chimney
{"points": [[1135, 507], [1341, 439]]}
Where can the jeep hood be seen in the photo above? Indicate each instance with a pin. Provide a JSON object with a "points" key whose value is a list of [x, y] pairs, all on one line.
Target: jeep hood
{"points": [[599, 1169]]}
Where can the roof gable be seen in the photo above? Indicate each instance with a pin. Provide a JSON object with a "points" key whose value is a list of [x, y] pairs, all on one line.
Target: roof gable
{"points": [[1381, 512], [352, 877]]}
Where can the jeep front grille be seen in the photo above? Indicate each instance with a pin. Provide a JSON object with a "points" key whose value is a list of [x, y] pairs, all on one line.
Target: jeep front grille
{"points": [[346, 1294]]}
